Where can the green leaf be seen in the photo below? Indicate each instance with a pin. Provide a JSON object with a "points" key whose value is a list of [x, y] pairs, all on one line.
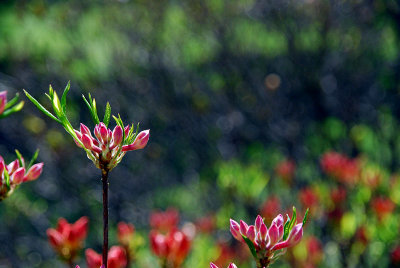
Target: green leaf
{"points": [[305, 216], [19, 156], [107, 114], [7, 178], [64, 97], [286, 228], [40, 107], [293, 220], [12, 102], [251, 246], [12, 110], [57, 105], [93, 112], [34, 157]]}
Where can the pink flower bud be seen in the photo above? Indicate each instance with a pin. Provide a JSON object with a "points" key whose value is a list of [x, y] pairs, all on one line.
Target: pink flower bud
{"points": [[87, 142], [103, 132], [258, 223], [273, 234], [263, 231], [13, 166], [235, 230], [85, 130], [243, 227], [116, 137], [127, 129], [232, 265], [294, 237], [212, 265], [34, 172], [18, 176], [140, 141], [3, 101], [251, 233]]}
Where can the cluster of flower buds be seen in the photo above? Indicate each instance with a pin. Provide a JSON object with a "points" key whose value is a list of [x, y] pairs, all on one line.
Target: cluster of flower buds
{"points": [[7, 108], [116, 258], [232, 265], [15, 173], [264, 242], [108, 147], [341, 167], [67, 239], [172, 248]]}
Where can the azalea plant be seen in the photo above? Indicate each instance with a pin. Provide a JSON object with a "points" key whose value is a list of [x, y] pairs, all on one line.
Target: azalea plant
{"points": [[105, 148]]}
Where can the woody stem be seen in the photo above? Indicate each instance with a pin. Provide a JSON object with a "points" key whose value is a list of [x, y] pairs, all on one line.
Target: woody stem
{"points": [[104, 179]]}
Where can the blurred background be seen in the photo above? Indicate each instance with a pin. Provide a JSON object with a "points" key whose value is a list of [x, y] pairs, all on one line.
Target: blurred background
{"points": [[254, 106]]}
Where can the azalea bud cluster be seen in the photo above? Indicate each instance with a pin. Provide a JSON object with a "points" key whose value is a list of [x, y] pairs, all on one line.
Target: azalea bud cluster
{"points": [[267, 244], [15, 173], [107, 146]]}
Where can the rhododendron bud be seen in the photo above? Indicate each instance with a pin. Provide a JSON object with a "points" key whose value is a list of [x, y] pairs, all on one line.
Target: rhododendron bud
{"points": [[264, 242], [34, 172], [3, 101], [232, 265], [18, 176], [235, 230], [116, 137], [140, 141], [67, 239]]}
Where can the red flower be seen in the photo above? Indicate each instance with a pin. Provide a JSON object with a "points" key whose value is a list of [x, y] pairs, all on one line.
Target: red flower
{"points": [[395, 255], [172, 248], [125, 233], [164, 221], [116, 258], [382, 206], [206, 224], [270, 208], [340, 167], [286, 170], [67, 239], [338, 196], [308, 198]]}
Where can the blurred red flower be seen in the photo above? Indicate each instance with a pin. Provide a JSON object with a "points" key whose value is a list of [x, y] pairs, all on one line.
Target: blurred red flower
{"points": [[171, 248], [116, 258], [67, 239], [340, 167], [286, 170], [164, 221], [382, 206]]}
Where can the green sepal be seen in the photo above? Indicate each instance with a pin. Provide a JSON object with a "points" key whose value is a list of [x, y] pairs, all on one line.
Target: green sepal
{"points": [[34, 157], [19, 156], [107, 114], [64, 97], [13, 109], [12, 102], [305, 216], [251, 246], [40, 107]]}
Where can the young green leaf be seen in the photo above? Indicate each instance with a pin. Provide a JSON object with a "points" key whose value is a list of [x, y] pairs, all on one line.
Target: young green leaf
{"points": [[12, 102], [251, 246], [293, 220], [19, 156], [64, 97], [286, 228], [7, 178], [34, 157], [40, 107], [107, 114], [93, 112], [305, 216], [13, 109]]}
